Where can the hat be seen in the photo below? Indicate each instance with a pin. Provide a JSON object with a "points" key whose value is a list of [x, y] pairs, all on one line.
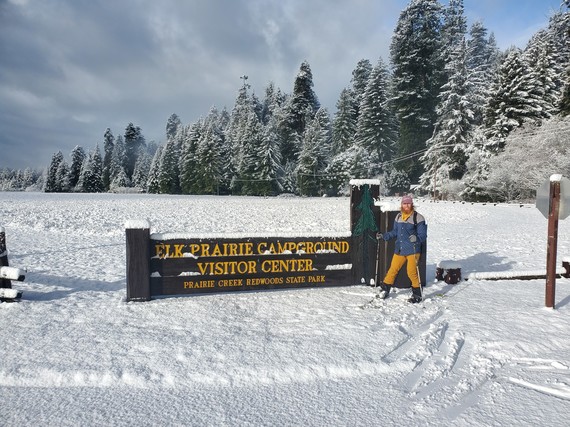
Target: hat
{"points": [[407, 199]]}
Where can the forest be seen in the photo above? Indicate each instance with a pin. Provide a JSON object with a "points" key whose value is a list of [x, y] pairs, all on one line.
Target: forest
{"points": [[448, 115]]}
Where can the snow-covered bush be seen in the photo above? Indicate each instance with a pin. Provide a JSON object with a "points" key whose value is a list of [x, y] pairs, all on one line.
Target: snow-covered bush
{"points": [[531, 155]]}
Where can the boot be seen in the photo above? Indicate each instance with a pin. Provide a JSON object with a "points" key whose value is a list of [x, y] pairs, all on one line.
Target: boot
{"points": [[416, 296], [386, 289]]}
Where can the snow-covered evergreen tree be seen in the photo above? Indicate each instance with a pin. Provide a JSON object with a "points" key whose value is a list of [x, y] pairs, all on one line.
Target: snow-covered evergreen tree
{"points": [[480, 59], [62, 177], [235, 130], [301, 109], [377, 128], [360, 76], [221, 120], [418, 75], [153, 181], [91, 177], [344, 123], [169, 173], [108, 145], [211, 157], [289, 179], [338, 174], [5, 179], [261, 166], [559, 32], [454, 27], [18, 180], [189, 137], [249, 174], [77, 158], [397, 181], [477, 165], [118, 165], [96, 179], [304, 101], [564, 104], [270, 169], [257, 106], [172, 125], [29, 177], [273, 101], [120, 182], [140, 174], [546, 72], [448, 147], [312, 159], [134, 145], [275, 116], [52, 185], [353, 163], [513, 101], [324, 118]]}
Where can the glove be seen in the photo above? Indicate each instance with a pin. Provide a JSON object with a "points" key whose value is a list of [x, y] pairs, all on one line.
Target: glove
{"points": [[413, 238], [379, 236]]}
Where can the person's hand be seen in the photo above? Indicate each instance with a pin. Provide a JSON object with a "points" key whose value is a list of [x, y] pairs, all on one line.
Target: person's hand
{"points": [[413, 238], [379, 236]]}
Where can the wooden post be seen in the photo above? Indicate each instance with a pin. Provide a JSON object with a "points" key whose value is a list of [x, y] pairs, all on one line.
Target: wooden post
{"points": [[138, 260], [364, 219], [4, 283], [552, 245]]}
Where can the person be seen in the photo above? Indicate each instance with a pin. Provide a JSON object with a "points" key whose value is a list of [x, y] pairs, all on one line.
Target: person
{"points": [[410, 231]]}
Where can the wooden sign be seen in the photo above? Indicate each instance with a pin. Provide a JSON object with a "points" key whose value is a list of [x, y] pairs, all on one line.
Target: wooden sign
{"points": [[171, 264], [184, 266]]}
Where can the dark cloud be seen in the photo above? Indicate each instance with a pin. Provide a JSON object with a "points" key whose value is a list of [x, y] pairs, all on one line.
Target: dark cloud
{"points": [[71, 68]]}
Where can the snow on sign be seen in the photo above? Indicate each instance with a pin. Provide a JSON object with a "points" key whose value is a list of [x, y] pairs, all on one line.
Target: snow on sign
{"points": [[543, 197], [12, 273]]}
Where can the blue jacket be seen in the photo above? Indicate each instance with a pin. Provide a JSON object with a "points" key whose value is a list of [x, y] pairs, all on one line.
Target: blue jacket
{"points": [[403, 230]]}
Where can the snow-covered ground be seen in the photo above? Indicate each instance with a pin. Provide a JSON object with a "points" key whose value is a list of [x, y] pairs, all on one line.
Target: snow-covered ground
{"points": [[74, 353]]}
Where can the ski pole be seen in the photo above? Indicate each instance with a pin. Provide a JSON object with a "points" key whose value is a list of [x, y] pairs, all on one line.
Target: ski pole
{"points": [[377, 258], [419, 277]]}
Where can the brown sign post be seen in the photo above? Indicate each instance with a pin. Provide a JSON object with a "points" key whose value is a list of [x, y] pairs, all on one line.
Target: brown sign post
{"points": [[552, 245], [552, 200]]}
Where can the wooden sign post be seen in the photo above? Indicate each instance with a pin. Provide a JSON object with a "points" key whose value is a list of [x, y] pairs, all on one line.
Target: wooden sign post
{"points": [[138, 255], [552, 245], [553, 201], [4, 283]]}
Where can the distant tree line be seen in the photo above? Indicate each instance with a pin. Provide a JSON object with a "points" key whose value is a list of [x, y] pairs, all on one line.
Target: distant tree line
{"points": [[20, 180], [443, 117]]}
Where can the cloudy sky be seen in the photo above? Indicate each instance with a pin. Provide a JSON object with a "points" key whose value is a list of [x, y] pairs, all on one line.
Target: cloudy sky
{"points": [[69, 69]]}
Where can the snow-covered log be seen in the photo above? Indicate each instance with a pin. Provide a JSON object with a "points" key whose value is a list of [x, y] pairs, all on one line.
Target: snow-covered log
{"points": [[511, 275], [448, 271]]}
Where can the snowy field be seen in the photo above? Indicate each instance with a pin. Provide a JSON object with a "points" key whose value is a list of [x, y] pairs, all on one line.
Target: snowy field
{"points": [[74, 353]]}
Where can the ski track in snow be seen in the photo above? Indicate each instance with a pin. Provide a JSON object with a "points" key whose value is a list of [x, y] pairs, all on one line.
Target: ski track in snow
{"points": [[447, 375]]}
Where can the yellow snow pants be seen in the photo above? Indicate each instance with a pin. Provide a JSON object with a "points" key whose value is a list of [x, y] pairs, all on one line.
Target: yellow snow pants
{"points": [[397, 263]]}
